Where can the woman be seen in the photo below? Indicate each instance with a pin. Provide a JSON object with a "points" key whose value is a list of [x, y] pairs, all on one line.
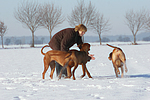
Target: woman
{"points": [[65, 39]]}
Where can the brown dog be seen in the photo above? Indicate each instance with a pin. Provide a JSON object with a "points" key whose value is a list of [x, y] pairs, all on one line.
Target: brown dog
{"points": [[82, 59], [118, 59], [72, 57]]}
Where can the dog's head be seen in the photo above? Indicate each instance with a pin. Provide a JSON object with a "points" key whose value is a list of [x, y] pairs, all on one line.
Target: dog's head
{"points": [[89, 58], [84, 47]]}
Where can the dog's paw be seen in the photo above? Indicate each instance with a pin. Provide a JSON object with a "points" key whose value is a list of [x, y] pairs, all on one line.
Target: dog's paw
{"points": [[67, 77], [90, 77], [59, 77], [74, 78], [82, 76], [118, 72]]}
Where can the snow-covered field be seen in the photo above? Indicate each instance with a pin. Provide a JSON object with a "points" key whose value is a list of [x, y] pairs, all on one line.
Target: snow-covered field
{"points": [[21, 78]]}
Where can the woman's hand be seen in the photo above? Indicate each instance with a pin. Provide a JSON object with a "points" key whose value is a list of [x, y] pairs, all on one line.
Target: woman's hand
{"points": [[92, 56]]}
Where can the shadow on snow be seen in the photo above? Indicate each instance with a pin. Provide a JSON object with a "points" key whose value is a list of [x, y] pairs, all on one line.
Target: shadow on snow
{"points": [[125, 76], [140, 76]]}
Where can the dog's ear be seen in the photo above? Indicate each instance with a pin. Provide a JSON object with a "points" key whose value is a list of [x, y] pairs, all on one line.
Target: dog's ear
{"points": [[80, 46], [110, 56]]}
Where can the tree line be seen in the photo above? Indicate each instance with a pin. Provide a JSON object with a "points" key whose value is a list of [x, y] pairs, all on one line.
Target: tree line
{"points": [[24, 40], [45, 39], [34, 15]]}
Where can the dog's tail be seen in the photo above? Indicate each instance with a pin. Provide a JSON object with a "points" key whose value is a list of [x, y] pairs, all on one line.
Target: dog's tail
{"points": [[63, 68], [70, 53], [43, 48], [111, 46], [114, 47]]}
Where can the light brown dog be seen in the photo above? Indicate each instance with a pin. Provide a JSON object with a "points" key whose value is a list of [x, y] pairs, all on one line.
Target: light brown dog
{"points": [[118, 59], [72, 57]]}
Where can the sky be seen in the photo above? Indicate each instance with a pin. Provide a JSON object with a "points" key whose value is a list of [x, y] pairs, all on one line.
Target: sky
{"points": [[114, 10]]}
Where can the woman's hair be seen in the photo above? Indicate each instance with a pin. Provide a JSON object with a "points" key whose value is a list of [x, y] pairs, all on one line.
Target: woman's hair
{"points": [[80, 27]]}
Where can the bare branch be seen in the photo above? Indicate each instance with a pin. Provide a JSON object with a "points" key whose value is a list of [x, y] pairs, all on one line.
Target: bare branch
{"points": [[82, 14], [51, 17], [78, 14], [90, 14], [100, 25], [3, 30]]}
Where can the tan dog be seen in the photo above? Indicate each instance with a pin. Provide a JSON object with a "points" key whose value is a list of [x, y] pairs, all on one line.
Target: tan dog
{"points": [[118, 59], [73, 57]]}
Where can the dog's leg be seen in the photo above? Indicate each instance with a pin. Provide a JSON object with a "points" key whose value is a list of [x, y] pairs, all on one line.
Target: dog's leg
{"points": [[124, 62], [126, 70], [65, 65], [83, 69], [122, 71], [52, 65], [76, 65], [73, 72], [88, 73], [123, 59], [45, 69], [115, 66], [61, 71], [69, 72], [116, 71]]}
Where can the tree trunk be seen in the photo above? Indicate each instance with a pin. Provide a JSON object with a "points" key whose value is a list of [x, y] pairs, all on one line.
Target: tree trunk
{"points": [[134, 39], [32, 45], [50, 32], [2, 41], [100, 39]]}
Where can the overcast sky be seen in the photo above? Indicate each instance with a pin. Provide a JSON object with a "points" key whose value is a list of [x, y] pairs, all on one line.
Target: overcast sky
{"points": [[114, 10]]}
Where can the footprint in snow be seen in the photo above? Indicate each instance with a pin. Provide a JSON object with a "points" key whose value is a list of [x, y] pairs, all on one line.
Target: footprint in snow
{"points": [[97, 96], [10, 88], [148, 88], [18, 98]]}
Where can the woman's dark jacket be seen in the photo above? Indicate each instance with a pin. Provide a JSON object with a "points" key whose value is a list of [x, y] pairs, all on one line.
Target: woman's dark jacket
{"points": [[65, 39]]}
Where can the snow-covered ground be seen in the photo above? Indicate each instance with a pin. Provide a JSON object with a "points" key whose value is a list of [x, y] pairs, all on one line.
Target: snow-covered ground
{"points": [[21, 78]]}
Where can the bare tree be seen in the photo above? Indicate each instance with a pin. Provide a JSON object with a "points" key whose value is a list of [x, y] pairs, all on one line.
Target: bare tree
{"points": [[3, 29], [28, 13], [100, 25], [136, 21], [82, 14], [51, 17]]}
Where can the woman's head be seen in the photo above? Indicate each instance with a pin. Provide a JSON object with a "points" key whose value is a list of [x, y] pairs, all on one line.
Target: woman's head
{"points": [[81, 29]]}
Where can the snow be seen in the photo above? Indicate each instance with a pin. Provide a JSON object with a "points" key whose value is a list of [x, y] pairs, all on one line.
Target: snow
{"points": [[21, 76]]}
